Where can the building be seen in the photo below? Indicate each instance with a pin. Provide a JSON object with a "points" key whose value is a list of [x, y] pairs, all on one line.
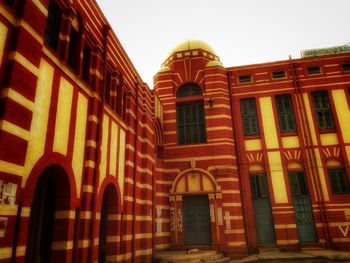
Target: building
{"points": [[97, 167]]}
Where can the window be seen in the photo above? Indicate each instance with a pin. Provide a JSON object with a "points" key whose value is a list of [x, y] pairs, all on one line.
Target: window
{"points": [[108, 87], [313, 70], [258, 186], [339, 181], [86, 64], [278, 74], [297, 184], [346, 67], [249, 117], [188, 90], [74, 49], [53, 26], [322, 110], [285, 113], [245, 78], [190, 116]]}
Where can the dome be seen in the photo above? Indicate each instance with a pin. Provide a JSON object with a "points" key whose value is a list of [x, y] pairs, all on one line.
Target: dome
{"points": [[191, 44]]}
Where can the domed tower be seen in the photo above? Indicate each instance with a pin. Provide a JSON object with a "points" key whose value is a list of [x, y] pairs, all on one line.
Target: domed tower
{"points": [[197, 177]]}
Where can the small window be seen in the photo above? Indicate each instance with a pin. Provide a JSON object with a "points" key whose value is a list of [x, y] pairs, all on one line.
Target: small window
{"points": [[249, 117], [339, 181], [188, 90], [313, 70], [346, 67], [74, 49], [278, 74], [245, 78], [86, 64], [258, 186], [53, 26], [285, 112], [323, 110]]}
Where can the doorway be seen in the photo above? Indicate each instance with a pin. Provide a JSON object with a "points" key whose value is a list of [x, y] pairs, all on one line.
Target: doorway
{"points": [[197, 229], [262, 209], [302, 208], [52, 193]]}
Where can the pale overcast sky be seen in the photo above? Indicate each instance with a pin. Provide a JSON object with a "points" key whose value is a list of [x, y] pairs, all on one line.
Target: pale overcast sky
{"points": [[240, 31]]}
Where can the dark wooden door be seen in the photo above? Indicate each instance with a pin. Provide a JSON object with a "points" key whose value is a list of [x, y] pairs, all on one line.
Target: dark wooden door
{"points": [[302, 207], [197, 228], [262, 209]]}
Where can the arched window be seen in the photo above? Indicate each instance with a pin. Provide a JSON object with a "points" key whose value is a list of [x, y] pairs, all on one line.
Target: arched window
{"points": [[190, 116], [188, 90]]}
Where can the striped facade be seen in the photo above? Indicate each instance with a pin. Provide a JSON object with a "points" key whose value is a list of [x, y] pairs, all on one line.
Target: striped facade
{"points": [[59, 125], [223, 166], [91, 168]]}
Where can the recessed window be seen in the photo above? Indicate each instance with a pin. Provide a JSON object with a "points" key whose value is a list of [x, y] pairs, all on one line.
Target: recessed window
{"points": [[53, 26], [245, 78], [258, 186], [188, 90], [108, 87], [278, 74], [190, 117], [298, 186], [86, 63], [74, 49], [313, 70], [285, 112], [346, 67], [339, 181], [249, 117], [323, 110]]}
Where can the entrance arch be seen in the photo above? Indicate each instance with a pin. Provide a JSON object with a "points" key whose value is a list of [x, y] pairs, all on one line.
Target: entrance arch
{"points": [[47, 223], [108, 225], [193, 209]]}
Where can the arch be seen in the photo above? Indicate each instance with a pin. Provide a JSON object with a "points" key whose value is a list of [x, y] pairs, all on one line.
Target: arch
{"points": [[107, 182], [256, 168], [158, 134], [44, 162], [108, 222], [49, 220], [188, 90], [294, 166], [334, 163], [195, 180]]}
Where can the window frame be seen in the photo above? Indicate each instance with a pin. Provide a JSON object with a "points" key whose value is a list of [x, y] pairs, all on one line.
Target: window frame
{"points": [[249, 118], [311, 68], [259, 185], [241, 77], [86, 63], [335, 181], [322, 112], [287, 116], [54, 19], [190, 115], [274, 76]]}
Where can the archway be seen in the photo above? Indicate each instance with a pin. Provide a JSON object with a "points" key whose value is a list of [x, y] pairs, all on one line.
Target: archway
{"points": [[109, 209], [47, 224]]}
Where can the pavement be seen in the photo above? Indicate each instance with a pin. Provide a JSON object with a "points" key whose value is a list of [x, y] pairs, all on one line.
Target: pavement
{"points": [[307, 255]]}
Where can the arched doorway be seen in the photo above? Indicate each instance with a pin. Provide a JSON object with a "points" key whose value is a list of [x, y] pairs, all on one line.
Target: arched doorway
{"points": [[194, 201], [109, 210], [52, 194]]}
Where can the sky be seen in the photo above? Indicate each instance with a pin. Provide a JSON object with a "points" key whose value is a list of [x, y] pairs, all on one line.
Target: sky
{"points": [[242, 32]]}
